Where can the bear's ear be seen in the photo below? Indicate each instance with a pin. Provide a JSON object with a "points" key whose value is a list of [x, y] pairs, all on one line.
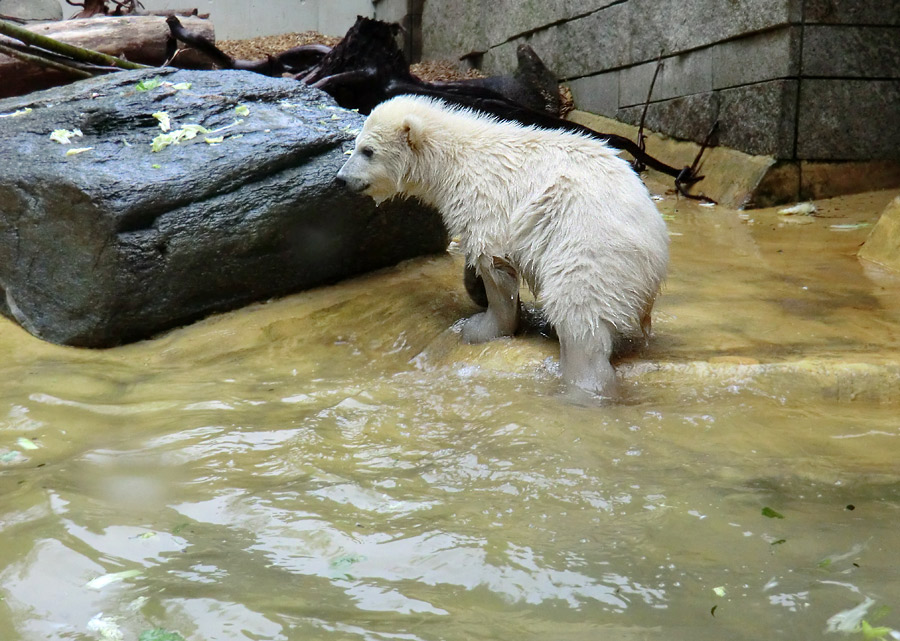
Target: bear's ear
{"points": [[413, 130]]}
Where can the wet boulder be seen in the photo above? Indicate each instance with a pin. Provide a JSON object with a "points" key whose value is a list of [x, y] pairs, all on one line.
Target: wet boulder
{"points": [[107, 238]]}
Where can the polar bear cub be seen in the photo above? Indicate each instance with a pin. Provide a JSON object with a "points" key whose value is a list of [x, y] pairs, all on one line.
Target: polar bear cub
{"points": [[559, 209]]}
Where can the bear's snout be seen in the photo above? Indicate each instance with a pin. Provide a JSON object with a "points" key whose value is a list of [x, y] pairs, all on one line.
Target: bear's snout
{"points": [[345, 179]]}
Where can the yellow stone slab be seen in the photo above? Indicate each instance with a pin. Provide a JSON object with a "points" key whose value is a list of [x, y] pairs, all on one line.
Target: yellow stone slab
{"points": [[883, 244]]}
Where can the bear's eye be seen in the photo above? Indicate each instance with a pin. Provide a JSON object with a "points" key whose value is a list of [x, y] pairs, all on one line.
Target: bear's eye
{"points": [[368, 152]]}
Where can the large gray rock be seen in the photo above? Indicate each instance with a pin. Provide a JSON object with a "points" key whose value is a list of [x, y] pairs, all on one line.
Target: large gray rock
{"points": [[116, 243], [32, 10]]}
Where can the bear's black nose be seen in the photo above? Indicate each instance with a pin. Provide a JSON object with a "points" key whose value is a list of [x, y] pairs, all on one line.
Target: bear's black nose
{"points": [[340, 181]]}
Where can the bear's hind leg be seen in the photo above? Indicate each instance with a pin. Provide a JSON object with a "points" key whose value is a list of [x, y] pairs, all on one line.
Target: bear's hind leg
{"points": [[501, 284], [584, 361]]}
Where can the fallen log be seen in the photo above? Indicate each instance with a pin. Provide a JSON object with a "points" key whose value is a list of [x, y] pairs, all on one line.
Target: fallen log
{"points": [[138, 39]]}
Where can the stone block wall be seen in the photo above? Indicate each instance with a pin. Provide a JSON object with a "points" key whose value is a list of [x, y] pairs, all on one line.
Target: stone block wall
{"points": [[800, 80]]}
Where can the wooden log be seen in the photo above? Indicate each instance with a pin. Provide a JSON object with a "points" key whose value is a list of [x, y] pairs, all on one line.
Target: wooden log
{"points": [[140, 39]]}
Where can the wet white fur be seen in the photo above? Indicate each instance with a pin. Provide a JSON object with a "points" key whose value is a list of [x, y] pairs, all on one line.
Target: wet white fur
{"points": [[567, 213]]}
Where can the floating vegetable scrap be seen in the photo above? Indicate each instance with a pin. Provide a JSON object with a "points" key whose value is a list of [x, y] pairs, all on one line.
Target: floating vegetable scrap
{"points": [[849, 226], [772, 514], [800, 209], [107, 627], [102, 581], [26, 443]]}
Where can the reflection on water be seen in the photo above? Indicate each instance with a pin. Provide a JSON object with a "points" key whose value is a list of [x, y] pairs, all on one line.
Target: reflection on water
{"points": [[336, 466]]}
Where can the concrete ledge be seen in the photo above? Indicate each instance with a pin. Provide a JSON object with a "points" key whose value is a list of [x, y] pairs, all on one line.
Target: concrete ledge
{"points": [[740, 180]]}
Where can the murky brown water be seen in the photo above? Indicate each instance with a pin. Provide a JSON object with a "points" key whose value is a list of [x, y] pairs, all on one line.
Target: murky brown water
{"points": [[336, 466]]}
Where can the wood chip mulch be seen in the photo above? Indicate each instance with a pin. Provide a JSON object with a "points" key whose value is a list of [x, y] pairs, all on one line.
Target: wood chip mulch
{"points": [[429, 71], [256, 48]]}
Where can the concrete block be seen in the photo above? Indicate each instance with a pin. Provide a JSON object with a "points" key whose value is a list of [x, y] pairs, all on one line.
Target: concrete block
{"points": [[597, 42], [674, 26], [682, 75], [336, 17], [849, 120], [781, 184], [508, 19], [452, 28], [847, 51], [829, 179], [390, 10], [876, 12], [597, 94], [688, 117], [756, 58], [32, 9], [236, 19], [759, 119], [501, 60]]}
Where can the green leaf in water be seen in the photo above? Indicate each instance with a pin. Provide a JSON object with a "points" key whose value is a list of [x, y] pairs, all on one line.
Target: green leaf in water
{"points": [[148, 85], [9, 457], [880, 612], [771, 514], [345, 561], [873, 634], [178, 528], [778, 542], [242, 110], [849, 226], [160, 634], [26, 443], [824, 564], [181, 86]]}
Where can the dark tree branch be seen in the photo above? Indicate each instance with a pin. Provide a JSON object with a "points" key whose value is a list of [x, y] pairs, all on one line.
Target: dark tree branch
{"points": [[641, 138]]}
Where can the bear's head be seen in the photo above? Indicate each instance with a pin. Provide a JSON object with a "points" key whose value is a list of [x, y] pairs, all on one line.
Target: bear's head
{"points": [[385, 151]]}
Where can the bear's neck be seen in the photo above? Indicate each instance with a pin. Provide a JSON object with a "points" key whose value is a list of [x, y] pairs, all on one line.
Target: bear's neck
{"points": [[462, 172], [474, 182]]}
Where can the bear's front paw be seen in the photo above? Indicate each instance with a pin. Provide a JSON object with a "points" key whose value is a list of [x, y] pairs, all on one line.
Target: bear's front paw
{"points": [[481, 328]]}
